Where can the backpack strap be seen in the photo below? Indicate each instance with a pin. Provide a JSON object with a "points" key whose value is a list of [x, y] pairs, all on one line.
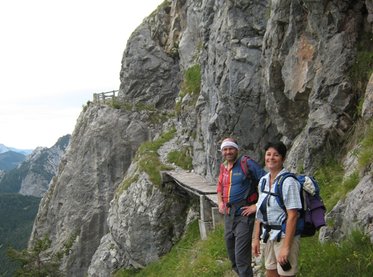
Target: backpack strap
{"points": [[300, 221], [262, 185], [280, 201], [251, 194], [263, 209], [244, 166], [278, 188]]}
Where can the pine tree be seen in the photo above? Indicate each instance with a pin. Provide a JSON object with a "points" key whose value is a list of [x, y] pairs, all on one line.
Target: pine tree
{"points": [[34, 261]]}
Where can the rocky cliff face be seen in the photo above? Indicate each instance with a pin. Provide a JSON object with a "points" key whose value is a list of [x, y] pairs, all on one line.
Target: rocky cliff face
{"points": [[76, 206], [269, 70], [41, 166], [355, 210]]}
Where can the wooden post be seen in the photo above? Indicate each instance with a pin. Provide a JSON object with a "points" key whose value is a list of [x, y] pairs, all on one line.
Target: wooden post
{"points": [[205, 221]]}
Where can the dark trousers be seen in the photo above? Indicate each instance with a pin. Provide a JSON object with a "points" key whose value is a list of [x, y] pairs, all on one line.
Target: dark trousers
{"points": [[237, 234]]}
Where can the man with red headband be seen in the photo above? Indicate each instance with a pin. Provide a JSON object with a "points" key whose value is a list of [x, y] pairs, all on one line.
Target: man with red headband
{"points": [[237, 197]]}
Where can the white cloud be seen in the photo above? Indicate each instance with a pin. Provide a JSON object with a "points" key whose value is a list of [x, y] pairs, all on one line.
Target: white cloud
{"points": [[53, 56]]}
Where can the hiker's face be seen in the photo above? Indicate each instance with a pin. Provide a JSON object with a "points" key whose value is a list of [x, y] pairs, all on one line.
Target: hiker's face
{"points": [[230, 154], [273, 159]]}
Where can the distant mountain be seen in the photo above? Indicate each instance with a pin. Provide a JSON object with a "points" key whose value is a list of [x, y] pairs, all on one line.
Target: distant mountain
{"points": [[33, 175], [10, 160], [31, 178], [4, 148]]}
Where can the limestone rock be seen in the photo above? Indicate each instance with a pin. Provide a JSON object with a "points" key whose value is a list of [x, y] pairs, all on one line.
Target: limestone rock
{"points": [[149, 74], [75, 207], [145, 221], [367, 111], [352, 213], [33, 174], [106, 259], [269, 70], [41, 166]]}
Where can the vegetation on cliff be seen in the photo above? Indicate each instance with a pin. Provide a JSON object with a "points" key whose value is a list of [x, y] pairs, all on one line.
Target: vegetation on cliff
{"points": [[17, 213], [193, 257]]}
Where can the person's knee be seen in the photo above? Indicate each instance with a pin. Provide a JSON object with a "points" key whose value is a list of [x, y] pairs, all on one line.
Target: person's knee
{"points": [[272, 273]]}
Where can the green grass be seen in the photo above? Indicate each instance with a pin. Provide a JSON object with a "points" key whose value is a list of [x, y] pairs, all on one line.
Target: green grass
{"points": [[330, 176], [191, 85], [148, 159], [154, 115], [192, 80], [194, 257], [332, 186], [125, 184], [351, 257], [181, 158], [126, 106], [363, 66], [116, 104], [69, 243], [366, 151], [189, 257], [330, 179]]}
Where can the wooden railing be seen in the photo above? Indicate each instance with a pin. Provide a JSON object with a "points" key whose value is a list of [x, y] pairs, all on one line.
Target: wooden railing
{"points": [[103, 97]]}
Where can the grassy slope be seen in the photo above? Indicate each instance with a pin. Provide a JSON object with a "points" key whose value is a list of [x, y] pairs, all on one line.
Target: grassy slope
{"points": [[193, 257]]}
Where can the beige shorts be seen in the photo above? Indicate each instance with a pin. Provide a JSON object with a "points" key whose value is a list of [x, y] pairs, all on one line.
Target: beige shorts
{"points": [[271, 251]]}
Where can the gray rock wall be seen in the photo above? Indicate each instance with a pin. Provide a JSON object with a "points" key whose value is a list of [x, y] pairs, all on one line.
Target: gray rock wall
{"points": [[308, 53], [40, 167], [77, 203], [149, 74], [354, 212], [269, 70], [231, 100], [145, 222], [33, 175]]}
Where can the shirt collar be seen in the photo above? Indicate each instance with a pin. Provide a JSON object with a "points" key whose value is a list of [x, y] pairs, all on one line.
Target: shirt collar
{"points": [[283, 170]]}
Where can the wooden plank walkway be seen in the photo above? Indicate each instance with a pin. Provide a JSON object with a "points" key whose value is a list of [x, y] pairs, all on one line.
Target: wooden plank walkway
{"points": [[192, 181], [204, 190]]}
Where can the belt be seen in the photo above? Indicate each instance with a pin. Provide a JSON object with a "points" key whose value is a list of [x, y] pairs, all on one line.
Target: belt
{"points": [[268, 228], [234, 207]]}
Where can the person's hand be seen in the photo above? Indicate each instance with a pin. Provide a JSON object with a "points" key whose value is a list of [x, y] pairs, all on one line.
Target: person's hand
{"points": [[283, 255], [255, 247], [221, 208], [248, 210]]}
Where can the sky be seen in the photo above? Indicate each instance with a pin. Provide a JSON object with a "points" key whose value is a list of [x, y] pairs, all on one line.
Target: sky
{"points": [[54, 54]]}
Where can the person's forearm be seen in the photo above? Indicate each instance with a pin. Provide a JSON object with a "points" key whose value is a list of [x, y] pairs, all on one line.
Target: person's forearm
{"points": [[221, 205], [220, 198], [291, 224], [255, 240], [256, 231]]}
